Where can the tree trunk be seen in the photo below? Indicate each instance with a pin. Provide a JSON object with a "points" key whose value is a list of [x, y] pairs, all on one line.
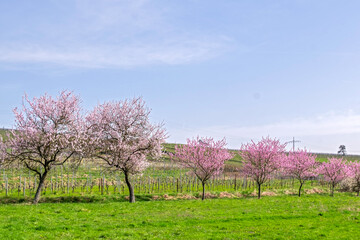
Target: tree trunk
{"points": [[301, 184], [332, 190], [203, 190], [130, 187], [259, 190], [39, 188]]}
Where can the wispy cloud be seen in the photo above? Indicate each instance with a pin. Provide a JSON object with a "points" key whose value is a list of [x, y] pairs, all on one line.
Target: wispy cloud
{"points": [[112, 34], [107, 56]]}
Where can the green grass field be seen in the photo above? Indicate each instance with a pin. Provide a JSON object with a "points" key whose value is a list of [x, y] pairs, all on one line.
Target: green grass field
{"points": [[74, 207], [276, 217]]}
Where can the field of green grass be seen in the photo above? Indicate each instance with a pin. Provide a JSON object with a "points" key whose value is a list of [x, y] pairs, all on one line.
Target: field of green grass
{"points": [[276, 217], [89, 202]]}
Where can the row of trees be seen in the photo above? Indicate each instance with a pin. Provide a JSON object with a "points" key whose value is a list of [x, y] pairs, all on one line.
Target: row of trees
{"points": [[50, 132], [263, 160]]}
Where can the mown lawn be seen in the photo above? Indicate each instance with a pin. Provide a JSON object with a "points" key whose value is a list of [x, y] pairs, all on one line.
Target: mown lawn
{"points": [[275, 217]]}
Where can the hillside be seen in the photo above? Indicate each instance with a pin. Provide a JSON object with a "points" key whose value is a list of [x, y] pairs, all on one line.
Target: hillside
{"points": [[170, 148], [3, 132]]}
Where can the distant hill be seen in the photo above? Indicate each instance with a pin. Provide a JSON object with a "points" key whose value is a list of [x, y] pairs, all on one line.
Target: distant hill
{"points": [[170, 148], [3, 132]]}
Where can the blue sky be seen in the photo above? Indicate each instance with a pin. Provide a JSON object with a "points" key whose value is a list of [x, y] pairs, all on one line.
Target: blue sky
{"points": [[234, 69]]}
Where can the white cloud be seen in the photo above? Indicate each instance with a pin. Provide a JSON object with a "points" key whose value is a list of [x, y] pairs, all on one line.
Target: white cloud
{"points": [[111, 34], [96, 56]]}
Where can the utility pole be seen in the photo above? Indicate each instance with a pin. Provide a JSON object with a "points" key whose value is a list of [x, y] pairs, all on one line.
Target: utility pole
{"points": [[293, 142]]}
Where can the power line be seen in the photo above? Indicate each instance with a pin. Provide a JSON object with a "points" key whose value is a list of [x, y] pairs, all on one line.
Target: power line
{"points": [[293, 142]]}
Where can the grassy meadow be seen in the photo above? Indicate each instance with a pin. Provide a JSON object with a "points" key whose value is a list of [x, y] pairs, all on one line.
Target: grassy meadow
{"points": [[272, 217], [89, 201]]}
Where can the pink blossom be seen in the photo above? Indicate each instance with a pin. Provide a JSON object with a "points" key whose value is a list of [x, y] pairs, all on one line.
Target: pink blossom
{"points": [[204, 156], [261, 159], [123, 136], [300, 165], [47, 133], [334, 171], [354, 170]]}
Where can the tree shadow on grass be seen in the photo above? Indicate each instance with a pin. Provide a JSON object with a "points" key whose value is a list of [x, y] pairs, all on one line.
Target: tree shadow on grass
{"points": [[144, 198], [73, 199]]}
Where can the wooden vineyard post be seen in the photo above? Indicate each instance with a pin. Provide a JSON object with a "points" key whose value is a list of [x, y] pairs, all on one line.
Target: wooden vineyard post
{"points": [[56, 182], [99, 181], [86, 184], [177, 185], [62, 180], [235, 183], [224, 182], [196, 184], [214, 183], [29, 185], [181, 184], [72, 182], [90, 184], [51, 184], [6, 186], [114, 185], [173, 184], [19, 187], [106, 186], [211, 184], [119, 182], [102, 185], [158, 184], [68, 184], [189, 183], [24, 186]]}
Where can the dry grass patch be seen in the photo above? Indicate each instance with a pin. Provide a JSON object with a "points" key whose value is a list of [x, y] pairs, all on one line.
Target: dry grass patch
{"points": [[314, 190]]}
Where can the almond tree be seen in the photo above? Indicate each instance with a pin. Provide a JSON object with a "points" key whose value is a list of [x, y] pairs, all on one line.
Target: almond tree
{"points": [[261, 159], [334, 171], [123, 137], [203, 156], [355, 174], [47, 134], [300, 165]]}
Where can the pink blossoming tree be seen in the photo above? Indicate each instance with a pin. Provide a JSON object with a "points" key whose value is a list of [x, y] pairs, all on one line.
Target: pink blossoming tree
{"points": [[261, 159], [334, 171], [300, 165], [355, 174], [124, 137], [47, 133], [203, 156]]}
